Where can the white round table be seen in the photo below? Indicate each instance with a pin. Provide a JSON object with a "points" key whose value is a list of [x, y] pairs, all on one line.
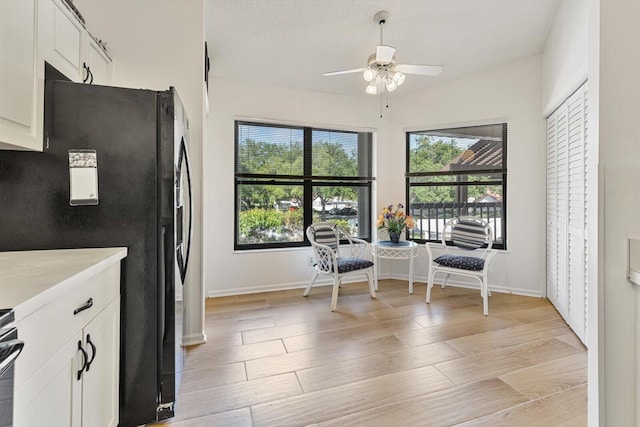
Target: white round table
{"points": [[404, 249]]}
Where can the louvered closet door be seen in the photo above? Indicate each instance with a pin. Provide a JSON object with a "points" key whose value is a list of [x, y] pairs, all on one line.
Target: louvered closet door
{"points": [[576, 212], [567, 179], [552, 209], [562, 213]]}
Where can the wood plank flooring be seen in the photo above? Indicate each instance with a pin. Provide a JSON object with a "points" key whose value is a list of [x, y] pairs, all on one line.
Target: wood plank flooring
{"points": [[279, 359]]}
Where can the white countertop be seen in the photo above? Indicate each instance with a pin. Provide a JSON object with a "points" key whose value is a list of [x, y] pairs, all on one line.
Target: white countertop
{"points": [[28, 279]]}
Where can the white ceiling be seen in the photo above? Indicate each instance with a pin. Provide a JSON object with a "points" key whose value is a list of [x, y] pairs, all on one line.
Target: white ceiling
{"points": [[291, 43]]}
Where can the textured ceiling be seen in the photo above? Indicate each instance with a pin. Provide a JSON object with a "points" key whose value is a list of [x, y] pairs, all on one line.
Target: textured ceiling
{"points": [[291, 43]]}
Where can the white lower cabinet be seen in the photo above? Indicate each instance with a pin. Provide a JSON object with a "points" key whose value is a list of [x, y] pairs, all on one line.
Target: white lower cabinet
{"points": [[76, 383], [100, 377], [50, 397]]}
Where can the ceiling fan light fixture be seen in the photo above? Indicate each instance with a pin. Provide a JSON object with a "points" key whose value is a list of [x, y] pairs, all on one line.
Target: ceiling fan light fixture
{"points": [[382, 72], [369, 74], [391, 85], [399, 78], [384, 54], [371, 89]]}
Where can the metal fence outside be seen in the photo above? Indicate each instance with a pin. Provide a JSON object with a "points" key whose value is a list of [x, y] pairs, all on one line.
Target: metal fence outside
{"points": [[431, 217]]}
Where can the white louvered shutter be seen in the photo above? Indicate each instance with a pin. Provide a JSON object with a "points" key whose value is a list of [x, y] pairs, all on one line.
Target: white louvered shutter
{"points": [[568, 163], [576, 212], [552, 210], [562, 211], [589, 206]]}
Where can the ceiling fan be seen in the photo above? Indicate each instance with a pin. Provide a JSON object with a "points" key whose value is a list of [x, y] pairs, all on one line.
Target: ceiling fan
{"points": [[382, 70]]}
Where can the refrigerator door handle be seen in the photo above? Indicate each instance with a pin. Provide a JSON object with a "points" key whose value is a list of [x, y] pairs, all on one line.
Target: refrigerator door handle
{"points": [[184, 261]]}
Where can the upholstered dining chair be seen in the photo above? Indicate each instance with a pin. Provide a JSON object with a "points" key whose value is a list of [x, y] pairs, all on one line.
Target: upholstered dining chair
{"points": [[474, 237], [325, 239]]}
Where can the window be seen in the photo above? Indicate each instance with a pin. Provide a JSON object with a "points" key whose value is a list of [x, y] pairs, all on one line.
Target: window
{"points": [[288, 177], [457, 171]]}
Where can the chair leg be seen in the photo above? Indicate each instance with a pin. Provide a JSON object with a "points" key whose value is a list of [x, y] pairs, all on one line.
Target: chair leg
{"points": [[444, 283], [372, 286], [430, 285], [485, 296], [334, 294], [311, 282]]}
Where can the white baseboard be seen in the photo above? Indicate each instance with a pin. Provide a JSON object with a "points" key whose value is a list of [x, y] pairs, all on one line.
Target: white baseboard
{"points": [[256, 289], [472, 285], [418, 281], [277, 287], [193, 339]]}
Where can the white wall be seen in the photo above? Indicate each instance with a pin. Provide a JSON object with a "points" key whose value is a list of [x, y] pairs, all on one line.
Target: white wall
{"points": [[509, 94], [566, 53], [571, 56], [154, 45], [227, 272], [619, 142]]}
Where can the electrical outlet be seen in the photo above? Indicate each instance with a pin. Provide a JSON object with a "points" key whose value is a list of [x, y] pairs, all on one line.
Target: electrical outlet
{"points": [[311, 260]]}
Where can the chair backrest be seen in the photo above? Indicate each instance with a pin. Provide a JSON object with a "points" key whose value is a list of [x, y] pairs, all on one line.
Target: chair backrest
{"points": [[324, 233], [469, 233]]}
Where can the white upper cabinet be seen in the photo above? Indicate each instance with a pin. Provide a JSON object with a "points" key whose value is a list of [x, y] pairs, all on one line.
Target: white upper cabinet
{"points": [[69, 47], [61, 39], [97, 64], [21, 77], [32, 32]]}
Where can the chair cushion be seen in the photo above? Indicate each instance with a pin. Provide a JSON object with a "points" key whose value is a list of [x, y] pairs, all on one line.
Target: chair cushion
{"points": [[346, 264], [461, 262], [468, 234], [326, 236]]}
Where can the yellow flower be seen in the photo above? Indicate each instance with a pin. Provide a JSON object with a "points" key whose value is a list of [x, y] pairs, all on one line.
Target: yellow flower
{"points": [[410, 222]]}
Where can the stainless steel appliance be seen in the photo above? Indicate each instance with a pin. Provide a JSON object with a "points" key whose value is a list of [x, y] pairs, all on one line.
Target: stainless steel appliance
{"points": [[138, 142], [10, 348]]}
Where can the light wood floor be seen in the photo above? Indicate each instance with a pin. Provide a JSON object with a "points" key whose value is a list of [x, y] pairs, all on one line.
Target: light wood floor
{"points": [[279, 359]]}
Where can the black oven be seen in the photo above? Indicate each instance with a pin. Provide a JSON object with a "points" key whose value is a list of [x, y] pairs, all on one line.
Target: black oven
{"points": [[10, 348]]}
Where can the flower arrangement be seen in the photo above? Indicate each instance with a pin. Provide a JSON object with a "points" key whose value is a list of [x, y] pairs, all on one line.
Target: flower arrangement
{"points": [[394, 220]]}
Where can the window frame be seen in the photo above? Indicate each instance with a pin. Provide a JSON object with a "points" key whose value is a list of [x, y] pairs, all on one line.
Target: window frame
{"points": [[307, 181], [494, 171]]}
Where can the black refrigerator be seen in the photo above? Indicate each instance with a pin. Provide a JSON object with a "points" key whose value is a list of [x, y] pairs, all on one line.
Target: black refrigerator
{"points": [[136, 141]]}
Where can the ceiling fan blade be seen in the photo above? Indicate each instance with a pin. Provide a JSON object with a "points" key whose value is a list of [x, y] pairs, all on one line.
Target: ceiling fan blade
{"points": [[384, 54], [426, 70], [336, 73]]}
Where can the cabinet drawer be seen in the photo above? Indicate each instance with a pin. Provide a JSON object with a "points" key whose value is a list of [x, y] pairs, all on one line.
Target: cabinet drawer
{"points": [[46, 330]]}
